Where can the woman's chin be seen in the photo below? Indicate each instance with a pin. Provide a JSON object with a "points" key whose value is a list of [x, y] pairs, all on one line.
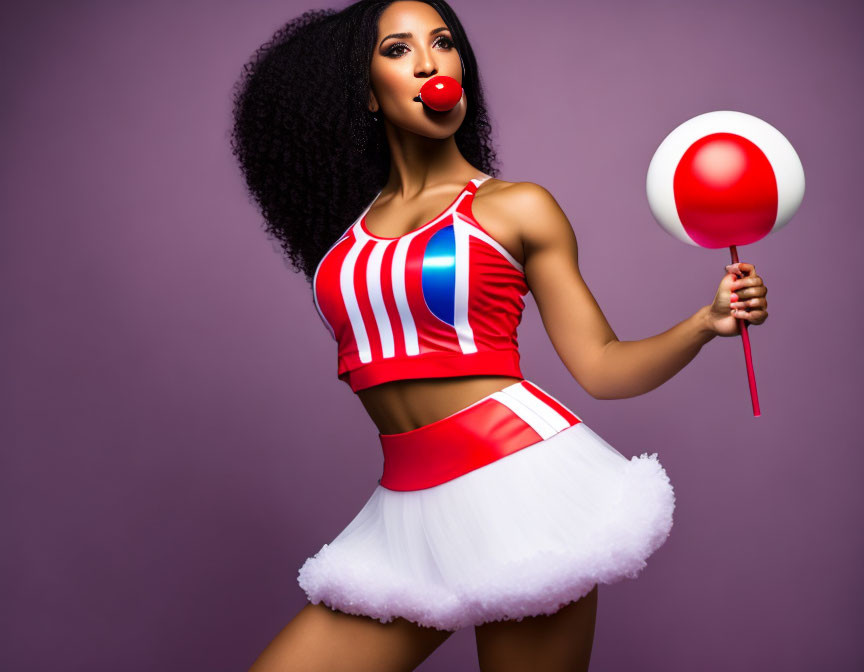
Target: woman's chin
{"points": [[437, 125]]}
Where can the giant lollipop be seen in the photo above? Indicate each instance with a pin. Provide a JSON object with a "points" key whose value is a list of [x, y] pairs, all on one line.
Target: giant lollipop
{"points": [[723, 179]]}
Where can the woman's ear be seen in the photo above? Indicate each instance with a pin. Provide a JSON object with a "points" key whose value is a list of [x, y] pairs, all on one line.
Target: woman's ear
{"points": [[373, 103]]}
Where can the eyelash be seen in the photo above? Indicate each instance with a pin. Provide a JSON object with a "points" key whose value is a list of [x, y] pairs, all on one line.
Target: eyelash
{"points": [[393, 46]]}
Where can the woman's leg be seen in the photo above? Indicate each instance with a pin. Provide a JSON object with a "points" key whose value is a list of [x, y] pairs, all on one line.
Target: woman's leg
{"points": [[557, 643], [321, 639]]}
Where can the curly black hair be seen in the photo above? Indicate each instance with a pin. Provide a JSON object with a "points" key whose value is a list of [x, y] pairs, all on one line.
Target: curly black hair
{"points": [[310, 153]]}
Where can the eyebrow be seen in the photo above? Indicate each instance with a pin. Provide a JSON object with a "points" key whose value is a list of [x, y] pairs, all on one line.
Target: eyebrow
{"points": [[405, 36]]}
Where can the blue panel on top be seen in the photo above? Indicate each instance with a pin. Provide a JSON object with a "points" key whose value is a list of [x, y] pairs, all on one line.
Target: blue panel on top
{"points": [[439, 274]]}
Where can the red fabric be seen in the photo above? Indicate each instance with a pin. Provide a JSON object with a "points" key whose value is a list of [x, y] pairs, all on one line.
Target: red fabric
{"points": [[489, 286], [560, 409], [448, 448], [435, 365]]}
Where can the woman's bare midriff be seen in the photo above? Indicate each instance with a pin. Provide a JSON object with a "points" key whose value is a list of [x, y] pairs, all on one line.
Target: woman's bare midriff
{"points": [[403, 405]]}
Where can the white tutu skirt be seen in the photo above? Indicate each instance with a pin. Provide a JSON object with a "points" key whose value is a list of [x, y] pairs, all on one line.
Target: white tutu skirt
{"points": [[522, 536]]}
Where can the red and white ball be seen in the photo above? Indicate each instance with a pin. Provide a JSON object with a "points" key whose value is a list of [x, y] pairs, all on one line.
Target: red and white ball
{"points": [[724, 178]]}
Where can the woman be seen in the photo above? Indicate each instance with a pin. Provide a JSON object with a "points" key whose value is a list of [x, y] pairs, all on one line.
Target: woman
{"points": [[498, 507]]}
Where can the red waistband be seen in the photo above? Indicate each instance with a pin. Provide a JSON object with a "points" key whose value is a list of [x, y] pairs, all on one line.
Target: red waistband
{"points": [[500, 424]]}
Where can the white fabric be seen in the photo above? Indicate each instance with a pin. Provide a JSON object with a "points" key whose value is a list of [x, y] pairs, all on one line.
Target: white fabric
{"points": [[550, 416], [531, 417], [376, 298], [521, 536], [460, 294], [346, 284]]}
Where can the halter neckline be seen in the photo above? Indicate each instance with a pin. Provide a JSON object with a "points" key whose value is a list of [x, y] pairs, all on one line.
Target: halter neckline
{"points": [[362, 222]]}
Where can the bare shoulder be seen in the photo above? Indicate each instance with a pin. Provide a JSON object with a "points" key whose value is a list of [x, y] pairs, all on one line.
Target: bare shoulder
{"points": [[527, 210], [513, 194]]}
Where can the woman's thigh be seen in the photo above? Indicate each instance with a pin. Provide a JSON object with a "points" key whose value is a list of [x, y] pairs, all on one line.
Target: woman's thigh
{"points": [[320, 638], [559, 642]]}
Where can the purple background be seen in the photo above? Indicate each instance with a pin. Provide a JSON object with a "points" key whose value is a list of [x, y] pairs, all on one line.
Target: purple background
{"points": [[175, 441]]}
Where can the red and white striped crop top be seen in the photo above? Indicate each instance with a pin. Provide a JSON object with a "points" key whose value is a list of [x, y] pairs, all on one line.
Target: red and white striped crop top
{"points": [[442, 300]]}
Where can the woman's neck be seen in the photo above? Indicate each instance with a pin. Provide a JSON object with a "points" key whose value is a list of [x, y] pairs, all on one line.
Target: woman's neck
{"points": [[418, 162]]}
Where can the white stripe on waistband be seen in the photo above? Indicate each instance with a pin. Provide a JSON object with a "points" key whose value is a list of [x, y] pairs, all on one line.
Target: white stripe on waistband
{"points": [[545, 411], [534, 419]]}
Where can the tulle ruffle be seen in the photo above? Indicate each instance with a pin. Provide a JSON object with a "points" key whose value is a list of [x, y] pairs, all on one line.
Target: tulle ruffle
{"points": [[522, 536]]}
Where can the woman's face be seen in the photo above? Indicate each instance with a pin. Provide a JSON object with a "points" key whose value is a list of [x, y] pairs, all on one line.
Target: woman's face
{"points": [[402, 64]]}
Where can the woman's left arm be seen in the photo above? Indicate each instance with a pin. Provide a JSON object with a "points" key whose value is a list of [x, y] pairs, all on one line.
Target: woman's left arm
{"points": [[636, 367], [606, 367]]}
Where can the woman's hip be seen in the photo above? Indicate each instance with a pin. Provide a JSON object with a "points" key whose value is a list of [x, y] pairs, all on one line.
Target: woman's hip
{"points": [[499, 424]]}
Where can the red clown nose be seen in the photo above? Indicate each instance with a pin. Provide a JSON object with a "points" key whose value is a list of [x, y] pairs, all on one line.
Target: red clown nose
{"points": [[441, 93]]}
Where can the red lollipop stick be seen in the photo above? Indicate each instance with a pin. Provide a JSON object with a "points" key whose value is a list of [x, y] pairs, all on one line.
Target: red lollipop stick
{"points": [[745, 339]]}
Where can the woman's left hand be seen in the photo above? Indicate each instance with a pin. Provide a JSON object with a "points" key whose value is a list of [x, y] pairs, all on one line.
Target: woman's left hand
{"points": [[738, 298]]}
